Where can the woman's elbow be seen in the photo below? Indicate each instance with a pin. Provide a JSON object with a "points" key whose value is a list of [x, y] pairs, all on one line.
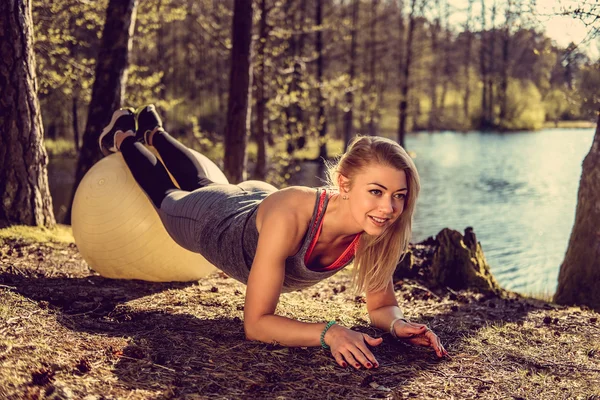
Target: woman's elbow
{"points": [[251, 331]]}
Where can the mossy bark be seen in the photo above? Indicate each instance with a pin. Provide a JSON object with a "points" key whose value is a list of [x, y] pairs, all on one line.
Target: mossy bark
{"points": [[23, 160], [579, 277]]}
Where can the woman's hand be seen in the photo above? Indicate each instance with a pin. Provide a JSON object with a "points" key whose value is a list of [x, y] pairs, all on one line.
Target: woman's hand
{"points": [[419, 334], [349, 347]]}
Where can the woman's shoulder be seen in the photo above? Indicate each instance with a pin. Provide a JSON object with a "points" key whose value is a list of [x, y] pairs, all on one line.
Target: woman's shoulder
{"points": [[295, 203], [293, 198]]}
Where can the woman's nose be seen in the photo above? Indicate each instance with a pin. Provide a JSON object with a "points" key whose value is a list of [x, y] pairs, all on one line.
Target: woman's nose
{"points": [[386, 206]]}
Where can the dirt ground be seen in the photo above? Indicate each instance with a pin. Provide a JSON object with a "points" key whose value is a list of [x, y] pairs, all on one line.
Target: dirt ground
{"points": [[67, 333]]}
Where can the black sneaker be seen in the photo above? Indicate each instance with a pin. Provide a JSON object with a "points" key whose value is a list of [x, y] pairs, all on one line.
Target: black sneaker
{"points": [[122, 120], [147, 120]]}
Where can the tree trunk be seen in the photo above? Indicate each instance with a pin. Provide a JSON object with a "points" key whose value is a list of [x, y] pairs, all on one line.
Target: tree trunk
{"points": [[504, 72], [349, 113], [404, 93], [240, 81], [468, 50], [23, 175], [401, 59], [260, 170], [504, 78], [162, 62], [75, 101], [321, 117], [491, 71], [446, 74], [373, 95], [484, 123], [109, 83], [435, 72], [218, 86], [579, 277], [294, 113]]}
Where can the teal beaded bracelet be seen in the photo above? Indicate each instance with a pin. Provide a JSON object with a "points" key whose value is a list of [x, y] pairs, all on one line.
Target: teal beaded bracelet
{"points": [[329, 325]]}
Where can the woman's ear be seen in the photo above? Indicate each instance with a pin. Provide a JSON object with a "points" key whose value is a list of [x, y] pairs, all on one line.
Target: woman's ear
{"points": [[343, 183]]}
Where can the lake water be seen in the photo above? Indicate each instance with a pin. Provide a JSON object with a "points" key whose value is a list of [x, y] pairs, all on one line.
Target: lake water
{"points": [[518, 191]]}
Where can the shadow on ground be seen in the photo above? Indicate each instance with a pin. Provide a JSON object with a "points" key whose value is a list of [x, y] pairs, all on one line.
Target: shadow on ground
{"points": [[182, 353]]}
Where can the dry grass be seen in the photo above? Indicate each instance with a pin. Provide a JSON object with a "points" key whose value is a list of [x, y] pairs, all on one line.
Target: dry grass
{"points": [[67, 333]]}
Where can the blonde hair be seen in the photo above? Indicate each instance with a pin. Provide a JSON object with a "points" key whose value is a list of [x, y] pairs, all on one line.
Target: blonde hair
{"points": [[377, 256]]}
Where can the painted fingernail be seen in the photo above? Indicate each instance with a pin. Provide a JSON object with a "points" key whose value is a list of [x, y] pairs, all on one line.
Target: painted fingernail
{"points": [[344, 364], [376, 365], [369, 365], [357, 365]]}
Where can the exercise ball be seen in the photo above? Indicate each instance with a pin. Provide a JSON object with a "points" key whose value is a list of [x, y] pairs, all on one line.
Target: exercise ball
{"points": [[119, 233]]}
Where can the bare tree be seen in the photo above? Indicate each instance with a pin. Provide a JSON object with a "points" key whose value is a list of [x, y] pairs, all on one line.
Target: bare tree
{"points": [[23, 159], [467, 65], [435, 68], [240, 81], [296, 13], [405, 78], [506, 38], [349, 113], [109, 84], [260, 170], [483, 66], [321, 117], [374, 88]]}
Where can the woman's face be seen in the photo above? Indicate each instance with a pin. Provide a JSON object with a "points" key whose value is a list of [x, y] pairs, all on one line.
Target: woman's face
{"points": [[377, 197]]}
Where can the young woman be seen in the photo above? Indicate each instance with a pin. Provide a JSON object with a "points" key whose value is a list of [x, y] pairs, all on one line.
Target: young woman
{"points": [[282, 240]]}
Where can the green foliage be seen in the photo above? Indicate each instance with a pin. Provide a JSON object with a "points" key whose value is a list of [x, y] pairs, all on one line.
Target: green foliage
{"points": [[60, 147], [180, 62], [67, 34], [588, 90], [556, 103], [525, 109], [32, 234]]}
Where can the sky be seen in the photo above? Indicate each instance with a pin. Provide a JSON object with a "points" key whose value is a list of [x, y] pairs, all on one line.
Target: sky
{"points": [[562, 29], [565, 29]]}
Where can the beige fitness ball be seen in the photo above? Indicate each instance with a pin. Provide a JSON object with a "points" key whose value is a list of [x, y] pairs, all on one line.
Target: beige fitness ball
{"points": [[120, 235]]}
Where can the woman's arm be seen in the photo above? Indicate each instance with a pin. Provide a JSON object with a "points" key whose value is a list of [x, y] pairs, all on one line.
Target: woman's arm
{"points": [[280, 235], [386, 315], [278, 239]]}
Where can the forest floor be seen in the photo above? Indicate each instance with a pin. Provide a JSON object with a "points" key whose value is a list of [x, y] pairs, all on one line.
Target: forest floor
{"points": [[67, 333]]}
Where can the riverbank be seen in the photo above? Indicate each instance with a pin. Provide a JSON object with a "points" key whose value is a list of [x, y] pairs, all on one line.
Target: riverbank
{"points": [[69, 333], [570, 125]]}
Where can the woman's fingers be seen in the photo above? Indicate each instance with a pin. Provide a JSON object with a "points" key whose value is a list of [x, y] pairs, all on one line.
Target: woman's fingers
{"points": [[420, 340], [410, 329], [356, 353], [371, 341], [365, 350], [430, 339], [349, 356], [436, 343], [340, 359]]}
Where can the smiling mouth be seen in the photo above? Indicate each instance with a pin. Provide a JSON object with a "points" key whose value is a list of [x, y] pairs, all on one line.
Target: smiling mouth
{"points": [[379, 221]]}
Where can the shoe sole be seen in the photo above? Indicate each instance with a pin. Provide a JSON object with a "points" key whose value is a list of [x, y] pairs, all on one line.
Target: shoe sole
{"points": [[151, 109], [116, 115]]}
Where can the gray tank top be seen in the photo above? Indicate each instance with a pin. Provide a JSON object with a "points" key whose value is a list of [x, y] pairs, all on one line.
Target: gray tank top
{"points": [[219, 222]]}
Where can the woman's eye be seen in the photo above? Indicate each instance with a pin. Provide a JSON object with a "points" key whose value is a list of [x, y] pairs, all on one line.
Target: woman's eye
{"points": [[375, 192], [400, 196]]}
